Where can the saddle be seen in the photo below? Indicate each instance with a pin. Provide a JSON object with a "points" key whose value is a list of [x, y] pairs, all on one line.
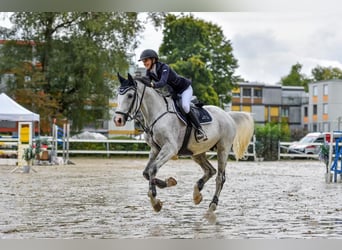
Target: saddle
{"points": [[196, 106], [202, 114]]}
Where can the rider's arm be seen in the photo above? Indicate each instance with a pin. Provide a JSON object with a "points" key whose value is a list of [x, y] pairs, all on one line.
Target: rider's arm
{"points": [[164, 77]]}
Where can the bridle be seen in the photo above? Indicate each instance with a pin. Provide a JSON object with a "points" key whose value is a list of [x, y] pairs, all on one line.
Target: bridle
{"points": [[128, 115], [135, 110]]}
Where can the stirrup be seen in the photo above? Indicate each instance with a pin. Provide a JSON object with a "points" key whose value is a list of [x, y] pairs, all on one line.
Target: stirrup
{"points": [[200, 135]]}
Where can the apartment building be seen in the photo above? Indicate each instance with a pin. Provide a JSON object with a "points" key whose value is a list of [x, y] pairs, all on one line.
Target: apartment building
{"points": [[270, 103], [324, 109]]}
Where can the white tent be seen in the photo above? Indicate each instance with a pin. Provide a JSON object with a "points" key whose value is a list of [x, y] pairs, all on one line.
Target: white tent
{"points": [[12, 111]]}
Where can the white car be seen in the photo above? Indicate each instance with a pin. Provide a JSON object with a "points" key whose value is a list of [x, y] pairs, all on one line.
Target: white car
{"points": [[310, 144]]}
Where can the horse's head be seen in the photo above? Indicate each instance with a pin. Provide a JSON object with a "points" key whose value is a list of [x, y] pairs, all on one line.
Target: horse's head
{"points": [[126, 98]]}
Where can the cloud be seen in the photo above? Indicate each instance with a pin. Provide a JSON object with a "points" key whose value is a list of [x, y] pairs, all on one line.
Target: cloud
{"points": [[267, 44], [259, 44]]}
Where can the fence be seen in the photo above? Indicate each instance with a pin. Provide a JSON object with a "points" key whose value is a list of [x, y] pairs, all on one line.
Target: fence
{"points": [[283, 151], [66, 147], [250, 154], [8, 150]]}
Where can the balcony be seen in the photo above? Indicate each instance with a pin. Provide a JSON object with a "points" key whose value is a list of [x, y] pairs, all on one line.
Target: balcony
{"points": [[289, 100]]}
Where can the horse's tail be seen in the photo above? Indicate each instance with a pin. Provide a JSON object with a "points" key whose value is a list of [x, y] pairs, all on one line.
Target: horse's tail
{"points": [[244, 132]]}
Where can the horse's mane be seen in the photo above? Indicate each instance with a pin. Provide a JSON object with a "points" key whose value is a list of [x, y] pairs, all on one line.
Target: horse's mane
{"points": [[144, 79], [165, 91]]}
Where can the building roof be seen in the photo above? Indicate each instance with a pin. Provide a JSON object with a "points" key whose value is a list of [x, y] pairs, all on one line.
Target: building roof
{"points": [[339, 81]]}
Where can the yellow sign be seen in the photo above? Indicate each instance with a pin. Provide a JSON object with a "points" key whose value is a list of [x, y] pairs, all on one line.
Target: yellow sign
{"points": [[25, 133]]}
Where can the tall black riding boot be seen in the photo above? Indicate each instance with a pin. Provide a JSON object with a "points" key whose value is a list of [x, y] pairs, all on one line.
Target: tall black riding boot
{"points": [[199, 132]]}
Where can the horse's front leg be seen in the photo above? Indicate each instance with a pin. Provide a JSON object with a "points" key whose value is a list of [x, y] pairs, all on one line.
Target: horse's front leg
{"points": [[169, 182], [150, 172]]}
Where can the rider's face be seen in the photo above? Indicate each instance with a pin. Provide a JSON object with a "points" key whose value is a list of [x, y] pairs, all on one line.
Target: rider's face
{"points": [[148, 63]]}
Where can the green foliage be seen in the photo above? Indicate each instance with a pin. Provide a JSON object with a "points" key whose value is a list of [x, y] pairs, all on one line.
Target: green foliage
{"points": [[199, 50], [295, 77], [268, 137], [29, 153], [79, 54], [320, 73], [323, 155]]}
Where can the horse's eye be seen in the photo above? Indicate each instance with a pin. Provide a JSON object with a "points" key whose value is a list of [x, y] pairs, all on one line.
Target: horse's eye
{"points": [[130, 95]]}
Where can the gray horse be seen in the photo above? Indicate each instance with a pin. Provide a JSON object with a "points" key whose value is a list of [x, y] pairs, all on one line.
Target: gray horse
{"points": [[165, 132]]}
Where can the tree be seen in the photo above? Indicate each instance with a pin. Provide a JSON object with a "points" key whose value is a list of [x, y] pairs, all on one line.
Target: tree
{"points": [[74, 57], [268, 137], [199, 50], [320, 73], [295, 77]]}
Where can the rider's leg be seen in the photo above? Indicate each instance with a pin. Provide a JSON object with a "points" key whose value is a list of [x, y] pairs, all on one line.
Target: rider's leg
{"points": [[200, 134], [185, 100]]}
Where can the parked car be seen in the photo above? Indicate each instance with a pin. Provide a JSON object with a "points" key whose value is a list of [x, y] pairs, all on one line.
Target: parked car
{"points": [[310, 144]]}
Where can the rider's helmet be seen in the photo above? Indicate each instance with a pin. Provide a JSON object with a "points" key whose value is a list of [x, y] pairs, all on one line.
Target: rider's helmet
{"points": [[148, 53]]}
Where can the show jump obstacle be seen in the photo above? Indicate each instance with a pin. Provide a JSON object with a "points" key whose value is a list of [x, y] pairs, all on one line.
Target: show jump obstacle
{"points": [[336, 165]]}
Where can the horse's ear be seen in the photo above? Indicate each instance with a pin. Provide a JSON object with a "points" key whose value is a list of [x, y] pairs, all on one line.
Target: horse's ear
{"points": [[130, 78], [121, 79]]}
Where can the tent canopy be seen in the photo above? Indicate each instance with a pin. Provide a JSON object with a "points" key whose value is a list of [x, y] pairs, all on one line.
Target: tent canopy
{"points": [[12, 111]]}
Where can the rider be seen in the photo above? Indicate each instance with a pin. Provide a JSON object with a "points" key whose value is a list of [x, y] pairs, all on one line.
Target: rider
{"points": [[160, 75]]}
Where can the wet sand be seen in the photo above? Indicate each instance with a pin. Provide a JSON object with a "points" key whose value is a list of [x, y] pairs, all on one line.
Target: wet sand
{"points": [[107, 198]]}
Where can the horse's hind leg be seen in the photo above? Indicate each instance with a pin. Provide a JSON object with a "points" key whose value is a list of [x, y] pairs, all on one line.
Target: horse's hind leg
{"points": [[222, 156], [209, 171]]}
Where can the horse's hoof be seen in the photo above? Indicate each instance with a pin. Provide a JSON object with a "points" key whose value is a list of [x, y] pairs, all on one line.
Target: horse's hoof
{"points": [[197, 196], [157, 206], [175, 157], [171, 182], [212, 207]]}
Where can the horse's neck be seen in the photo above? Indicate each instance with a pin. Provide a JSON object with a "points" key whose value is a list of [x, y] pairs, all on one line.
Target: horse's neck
{"points": [[152, 106]]}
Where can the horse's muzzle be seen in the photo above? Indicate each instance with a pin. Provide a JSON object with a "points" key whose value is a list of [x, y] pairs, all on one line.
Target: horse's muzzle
{"points": [[119, 120]]}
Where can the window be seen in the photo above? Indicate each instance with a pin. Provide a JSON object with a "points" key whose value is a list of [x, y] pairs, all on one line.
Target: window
{"points": [[236, 94], [258, 92], [247, 92], [314, 110], [306, 113], [314, 127], [285, 112], [325, 108], [325, 89], [315, 91]]}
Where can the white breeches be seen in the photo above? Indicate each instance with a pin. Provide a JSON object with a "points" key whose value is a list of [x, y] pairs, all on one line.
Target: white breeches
{"points": [[186, 99]]}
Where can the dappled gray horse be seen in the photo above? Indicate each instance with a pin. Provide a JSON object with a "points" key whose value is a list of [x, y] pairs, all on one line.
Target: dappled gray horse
{"points": [[165, 133]]}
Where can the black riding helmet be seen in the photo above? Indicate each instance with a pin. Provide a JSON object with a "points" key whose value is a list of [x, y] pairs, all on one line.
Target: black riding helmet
{"points": [[148, 53]]}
